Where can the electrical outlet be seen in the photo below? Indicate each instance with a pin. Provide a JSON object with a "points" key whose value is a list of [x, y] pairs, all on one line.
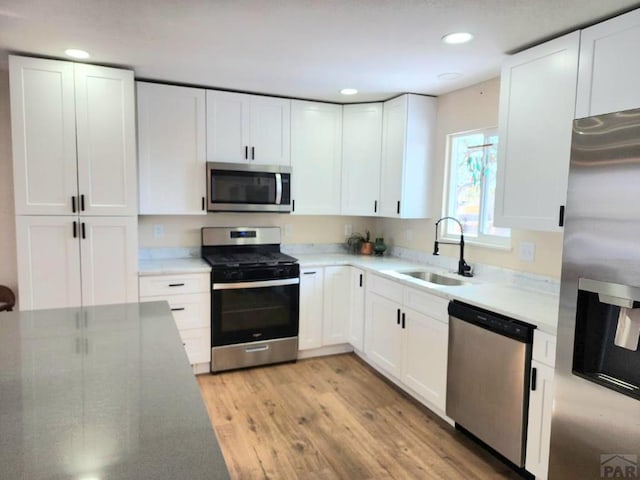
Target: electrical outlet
{"points": [[348, 229], [158, 230], [527, 251], [287, 230]]}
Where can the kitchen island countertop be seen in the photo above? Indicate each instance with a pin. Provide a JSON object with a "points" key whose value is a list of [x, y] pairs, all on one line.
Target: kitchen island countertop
{"points": [[101, 392]]}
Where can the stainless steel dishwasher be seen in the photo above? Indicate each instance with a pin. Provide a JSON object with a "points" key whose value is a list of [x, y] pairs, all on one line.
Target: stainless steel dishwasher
{"points": [[488, 378]]}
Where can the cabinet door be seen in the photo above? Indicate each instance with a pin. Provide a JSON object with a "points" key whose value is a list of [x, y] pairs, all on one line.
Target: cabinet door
{"points": [[316, 159], [361, 158], [425, 356], [228, 126], [537, 103], [171, 149], [109, 253], [270, 131], [383, 333], [609, 68], [356, 316], [48, 262], [408, 139], [539, 426], [394, 121], [337, 305], [43, 129], [106, 139], [311, 303]]}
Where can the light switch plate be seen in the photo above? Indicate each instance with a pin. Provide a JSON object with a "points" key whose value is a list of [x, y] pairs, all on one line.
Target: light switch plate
{"points": [[158, 230], [527, 251], [348, 229]]}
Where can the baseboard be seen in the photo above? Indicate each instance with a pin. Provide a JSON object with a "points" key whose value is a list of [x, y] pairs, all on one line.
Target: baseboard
{"points": [[323, 351], [200, 368]]}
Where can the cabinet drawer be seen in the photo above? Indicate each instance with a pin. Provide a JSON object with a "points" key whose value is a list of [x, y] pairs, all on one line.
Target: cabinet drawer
{"points": [[544, 348], [432, 305], [390, 289], [197, 343], [174, 284], [189, 311]]}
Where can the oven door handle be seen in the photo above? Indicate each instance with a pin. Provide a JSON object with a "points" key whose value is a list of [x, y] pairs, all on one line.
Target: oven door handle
{"points": [[260, 284], [278, 188]]}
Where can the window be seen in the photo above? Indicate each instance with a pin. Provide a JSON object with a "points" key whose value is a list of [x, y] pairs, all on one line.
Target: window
{"points": [[471, 188]]}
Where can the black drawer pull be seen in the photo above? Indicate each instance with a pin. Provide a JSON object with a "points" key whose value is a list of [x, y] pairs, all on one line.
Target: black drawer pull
{"points": [[253, 153], [309, 273], [398, 317], [360, 280], [246, 152], [203, 203], [176, 284], [177, 309], [398, 208], [403, 319], [534, 379]]}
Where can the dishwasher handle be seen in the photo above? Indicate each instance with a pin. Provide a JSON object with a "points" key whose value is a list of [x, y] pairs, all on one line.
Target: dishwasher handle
{"points": [[495, 322]]}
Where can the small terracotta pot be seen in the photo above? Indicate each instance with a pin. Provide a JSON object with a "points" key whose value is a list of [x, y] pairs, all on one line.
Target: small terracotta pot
{"points": [[366, 249]]}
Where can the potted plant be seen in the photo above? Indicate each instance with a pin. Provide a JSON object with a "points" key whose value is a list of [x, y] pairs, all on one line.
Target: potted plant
{"points": [[358, 243]]}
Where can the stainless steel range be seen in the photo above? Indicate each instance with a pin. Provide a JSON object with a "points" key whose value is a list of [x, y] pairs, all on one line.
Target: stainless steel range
{"points": [[254, 298]]}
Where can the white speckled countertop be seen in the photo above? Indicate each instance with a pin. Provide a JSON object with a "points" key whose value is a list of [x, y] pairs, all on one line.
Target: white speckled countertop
{"points": [[531, 306]]}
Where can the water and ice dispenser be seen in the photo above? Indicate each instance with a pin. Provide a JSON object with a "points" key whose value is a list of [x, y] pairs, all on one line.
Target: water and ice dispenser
{"points": [[606, 337]]}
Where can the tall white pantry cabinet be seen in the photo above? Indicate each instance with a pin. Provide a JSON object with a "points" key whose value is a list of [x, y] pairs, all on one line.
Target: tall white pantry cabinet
{"points": [[75, 185]]}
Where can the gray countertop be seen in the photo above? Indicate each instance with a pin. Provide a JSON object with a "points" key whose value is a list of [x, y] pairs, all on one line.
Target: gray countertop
{"points": [[103, 393]]}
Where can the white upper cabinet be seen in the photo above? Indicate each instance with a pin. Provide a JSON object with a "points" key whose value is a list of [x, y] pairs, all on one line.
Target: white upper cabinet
{"points": [[609, 66], [537, 104], [43, 126], [408, 139], [57, 108], [316, 157], [361, 158], [248, 128], [172, 149]]}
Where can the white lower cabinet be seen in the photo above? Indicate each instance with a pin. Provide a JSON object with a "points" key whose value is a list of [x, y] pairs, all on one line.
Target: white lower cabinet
{"points": [[189, 299], [540, 405], [406, 335], [331, 307], [66, 261], [311, 303]]}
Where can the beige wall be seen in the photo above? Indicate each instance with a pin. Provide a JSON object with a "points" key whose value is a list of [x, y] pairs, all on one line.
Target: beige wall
{"points": [[467, 109], [8, 268], [185, 231]]}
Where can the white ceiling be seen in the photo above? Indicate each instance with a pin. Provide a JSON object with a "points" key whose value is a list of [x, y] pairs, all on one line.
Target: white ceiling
{"points": [[299, 48]]}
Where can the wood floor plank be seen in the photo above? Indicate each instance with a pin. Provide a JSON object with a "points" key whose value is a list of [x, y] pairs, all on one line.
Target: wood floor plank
{"points": [[334, 417]]}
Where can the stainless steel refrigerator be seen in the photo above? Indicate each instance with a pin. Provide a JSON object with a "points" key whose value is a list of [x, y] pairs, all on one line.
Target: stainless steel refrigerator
{"points": [[595, 432]]}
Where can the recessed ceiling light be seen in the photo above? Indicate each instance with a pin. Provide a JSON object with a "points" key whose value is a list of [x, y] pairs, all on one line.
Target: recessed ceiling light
{"points": [[348, 91], [457, 38], [75, 53], [449, 76]]}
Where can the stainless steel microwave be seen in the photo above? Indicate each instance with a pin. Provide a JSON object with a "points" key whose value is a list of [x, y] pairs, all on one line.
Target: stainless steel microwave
{"points": [[233, 187]]}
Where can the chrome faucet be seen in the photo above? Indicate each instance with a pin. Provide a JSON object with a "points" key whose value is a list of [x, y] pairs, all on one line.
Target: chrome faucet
{"points": [[464, 269]]}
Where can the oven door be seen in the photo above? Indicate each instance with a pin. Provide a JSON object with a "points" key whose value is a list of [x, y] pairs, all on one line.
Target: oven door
{"points": [[254, 311]]}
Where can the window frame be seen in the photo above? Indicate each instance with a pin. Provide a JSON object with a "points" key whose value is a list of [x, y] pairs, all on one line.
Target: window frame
{"points": [[448, 197]]}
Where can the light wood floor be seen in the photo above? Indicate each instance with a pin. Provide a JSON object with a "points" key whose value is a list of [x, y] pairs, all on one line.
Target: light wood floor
{"points": [[334, 418]]}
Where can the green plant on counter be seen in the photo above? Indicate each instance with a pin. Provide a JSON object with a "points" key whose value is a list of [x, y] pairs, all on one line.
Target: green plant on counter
{"points": [[356, 240]]}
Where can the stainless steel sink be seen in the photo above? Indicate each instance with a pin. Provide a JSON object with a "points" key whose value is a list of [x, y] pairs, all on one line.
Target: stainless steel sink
{"points": [[436, 278]]}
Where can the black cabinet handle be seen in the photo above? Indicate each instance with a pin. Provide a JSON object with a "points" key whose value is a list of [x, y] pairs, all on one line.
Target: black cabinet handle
{"points": [[398, 208], [375, 206], [361, 280], [176, 284], [82, 203], [84, 234], [75, 229], [246, 152], [73, 203], [293, 205], [561, 216], [253, 153], [309, 273], [398, 322], [177, 309], [534, 379], [202, 203], [403, 319]]}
